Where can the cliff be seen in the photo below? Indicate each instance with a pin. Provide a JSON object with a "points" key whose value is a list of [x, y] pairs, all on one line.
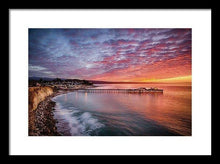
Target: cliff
{"points": [[36, 95]]}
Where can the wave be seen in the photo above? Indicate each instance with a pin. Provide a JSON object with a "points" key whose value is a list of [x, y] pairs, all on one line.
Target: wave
{"points": [[79, 123]]}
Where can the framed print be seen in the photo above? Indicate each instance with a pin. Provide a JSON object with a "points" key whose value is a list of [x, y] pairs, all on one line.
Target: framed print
{"points": [[119, 82]]}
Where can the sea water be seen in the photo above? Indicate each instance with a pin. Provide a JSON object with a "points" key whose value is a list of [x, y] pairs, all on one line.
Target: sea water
{"points": [[125, 114]]}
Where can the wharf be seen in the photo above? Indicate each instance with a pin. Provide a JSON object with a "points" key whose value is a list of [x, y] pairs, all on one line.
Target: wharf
{"points": [[138, 90]]}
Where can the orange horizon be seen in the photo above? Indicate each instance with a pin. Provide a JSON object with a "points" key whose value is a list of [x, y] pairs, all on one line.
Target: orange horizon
{"points": [[179, 79]]}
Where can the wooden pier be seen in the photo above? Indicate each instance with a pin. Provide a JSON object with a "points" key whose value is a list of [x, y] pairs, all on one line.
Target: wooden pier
{"points": [[139, 90]]}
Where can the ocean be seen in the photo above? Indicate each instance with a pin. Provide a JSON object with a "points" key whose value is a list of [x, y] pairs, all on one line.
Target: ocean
{"points": [[125, 114]]}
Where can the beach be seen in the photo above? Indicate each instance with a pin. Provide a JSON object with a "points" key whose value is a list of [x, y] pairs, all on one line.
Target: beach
{"points": [[41, 120]]}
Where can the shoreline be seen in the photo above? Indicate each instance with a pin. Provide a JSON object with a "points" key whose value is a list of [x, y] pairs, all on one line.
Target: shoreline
{"points": [[41, 122]]}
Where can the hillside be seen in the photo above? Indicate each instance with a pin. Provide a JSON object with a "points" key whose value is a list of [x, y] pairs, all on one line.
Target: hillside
{"points": [[36, 95]]}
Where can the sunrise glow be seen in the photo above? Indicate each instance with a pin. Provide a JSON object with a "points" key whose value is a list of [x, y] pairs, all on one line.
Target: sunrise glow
{"points": [[174, 79]]}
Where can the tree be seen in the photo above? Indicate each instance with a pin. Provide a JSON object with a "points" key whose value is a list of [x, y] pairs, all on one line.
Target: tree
{"points": [[57, 80]]}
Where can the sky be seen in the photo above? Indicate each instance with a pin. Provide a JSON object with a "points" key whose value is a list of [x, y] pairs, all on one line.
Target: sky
{"points": [[125, 55]]}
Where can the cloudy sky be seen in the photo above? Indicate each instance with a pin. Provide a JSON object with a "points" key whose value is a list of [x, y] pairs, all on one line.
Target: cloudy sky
{"points": [[111, 54]]}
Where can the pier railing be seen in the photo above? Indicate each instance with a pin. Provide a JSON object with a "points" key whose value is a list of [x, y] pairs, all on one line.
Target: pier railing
{"points": [[121, 90]]}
